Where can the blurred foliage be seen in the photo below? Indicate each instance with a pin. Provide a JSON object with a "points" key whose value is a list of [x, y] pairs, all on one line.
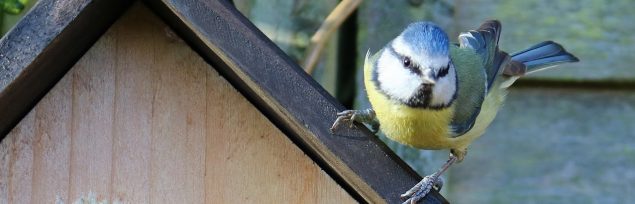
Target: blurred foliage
{"points": [[290, 24], [14, 6], [11, 12]]}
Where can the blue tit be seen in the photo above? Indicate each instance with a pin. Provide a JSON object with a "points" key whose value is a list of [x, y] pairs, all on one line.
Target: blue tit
{"points": [[430, 94]]}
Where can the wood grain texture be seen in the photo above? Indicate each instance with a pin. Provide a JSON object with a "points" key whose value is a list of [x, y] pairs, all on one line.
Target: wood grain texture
{"points": [[40, 49], [141, 118]]}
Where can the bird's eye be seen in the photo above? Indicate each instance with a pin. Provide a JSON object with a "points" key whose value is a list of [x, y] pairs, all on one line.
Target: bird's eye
{"points": [[406, 62]]}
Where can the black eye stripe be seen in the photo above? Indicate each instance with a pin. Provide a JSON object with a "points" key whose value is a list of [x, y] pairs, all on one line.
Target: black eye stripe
{"points": [[443, 71], [411, 66], [414, 68]]}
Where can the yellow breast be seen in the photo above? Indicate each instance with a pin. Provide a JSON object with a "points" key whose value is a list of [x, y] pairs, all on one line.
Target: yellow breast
{"points": [[416, 127]]}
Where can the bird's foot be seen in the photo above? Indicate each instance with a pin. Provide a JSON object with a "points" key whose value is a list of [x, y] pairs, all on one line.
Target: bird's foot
{"points": [[422, 189], [362, 116]]}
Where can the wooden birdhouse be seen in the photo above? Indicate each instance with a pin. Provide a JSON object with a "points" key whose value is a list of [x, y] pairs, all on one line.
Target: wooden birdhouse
{"points": [[173, 102]]}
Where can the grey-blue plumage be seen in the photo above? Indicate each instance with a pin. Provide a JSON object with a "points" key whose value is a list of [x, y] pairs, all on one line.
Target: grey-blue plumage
{"points": [[543, 55]]}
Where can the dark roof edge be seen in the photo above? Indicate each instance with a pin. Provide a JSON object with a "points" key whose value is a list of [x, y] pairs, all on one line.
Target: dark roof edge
{"points": [[290, 98], [43, 46]]}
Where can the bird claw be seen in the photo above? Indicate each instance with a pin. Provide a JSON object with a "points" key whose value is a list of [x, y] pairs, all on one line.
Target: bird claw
{"points": [[422, 188], [346, 116], [362, 116]]}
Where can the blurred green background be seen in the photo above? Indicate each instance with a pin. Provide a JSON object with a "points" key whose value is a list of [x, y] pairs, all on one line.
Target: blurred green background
{"points": [[11, 11], [565, 135]]}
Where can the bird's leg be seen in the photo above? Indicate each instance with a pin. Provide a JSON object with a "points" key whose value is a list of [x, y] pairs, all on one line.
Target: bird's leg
{"points": [[422, 188], [361, 116]]}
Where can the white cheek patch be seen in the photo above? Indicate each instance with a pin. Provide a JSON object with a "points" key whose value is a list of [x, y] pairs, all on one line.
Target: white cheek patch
{"points": [[445, 88], [393, 79]]}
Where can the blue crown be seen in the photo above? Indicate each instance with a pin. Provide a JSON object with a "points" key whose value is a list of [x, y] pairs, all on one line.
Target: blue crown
{"points": [[426, 37]]}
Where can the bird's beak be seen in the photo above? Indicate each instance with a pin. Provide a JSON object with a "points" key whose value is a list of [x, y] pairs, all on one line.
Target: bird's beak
{"points": [[427, 78]]}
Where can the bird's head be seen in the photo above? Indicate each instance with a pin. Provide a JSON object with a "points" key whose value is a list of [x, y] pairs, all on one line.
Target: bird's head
{"points": [[415, 68]]}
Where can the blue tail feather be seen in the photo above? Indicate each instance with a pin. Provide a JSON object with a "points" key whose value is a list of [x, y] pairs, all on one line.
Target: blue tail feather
{"points": [[543, 55]]}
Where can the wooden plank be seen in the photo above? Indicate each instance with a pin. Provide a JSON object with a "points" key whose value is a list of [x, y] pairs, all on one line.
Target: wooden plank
{"points": [[159, 122], [134, 96], [290, 98], [52, 144], [5, 156], [178, 120], [43, 46], [92, 99], [21, 162]]}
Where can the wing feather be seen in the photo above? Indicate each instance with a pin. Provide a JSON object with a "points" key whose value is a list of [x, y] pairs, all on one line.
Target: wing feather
{"points": [[483, 42]]}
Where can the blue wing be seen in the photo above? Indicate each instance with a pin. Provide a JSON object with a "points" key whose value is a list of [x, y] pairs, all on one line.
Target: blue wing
{"points": [[538, 57], [484, 41]]}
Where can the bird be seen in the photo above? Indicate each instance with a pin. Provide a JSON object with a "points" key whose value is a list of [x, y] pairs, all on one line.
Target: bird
{"points": [[428, 93]]}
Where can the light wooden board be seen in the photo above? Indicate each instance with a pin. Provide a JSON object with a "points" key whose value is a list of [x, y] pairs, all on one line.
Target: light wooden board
{"points": [[141, 118]]}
